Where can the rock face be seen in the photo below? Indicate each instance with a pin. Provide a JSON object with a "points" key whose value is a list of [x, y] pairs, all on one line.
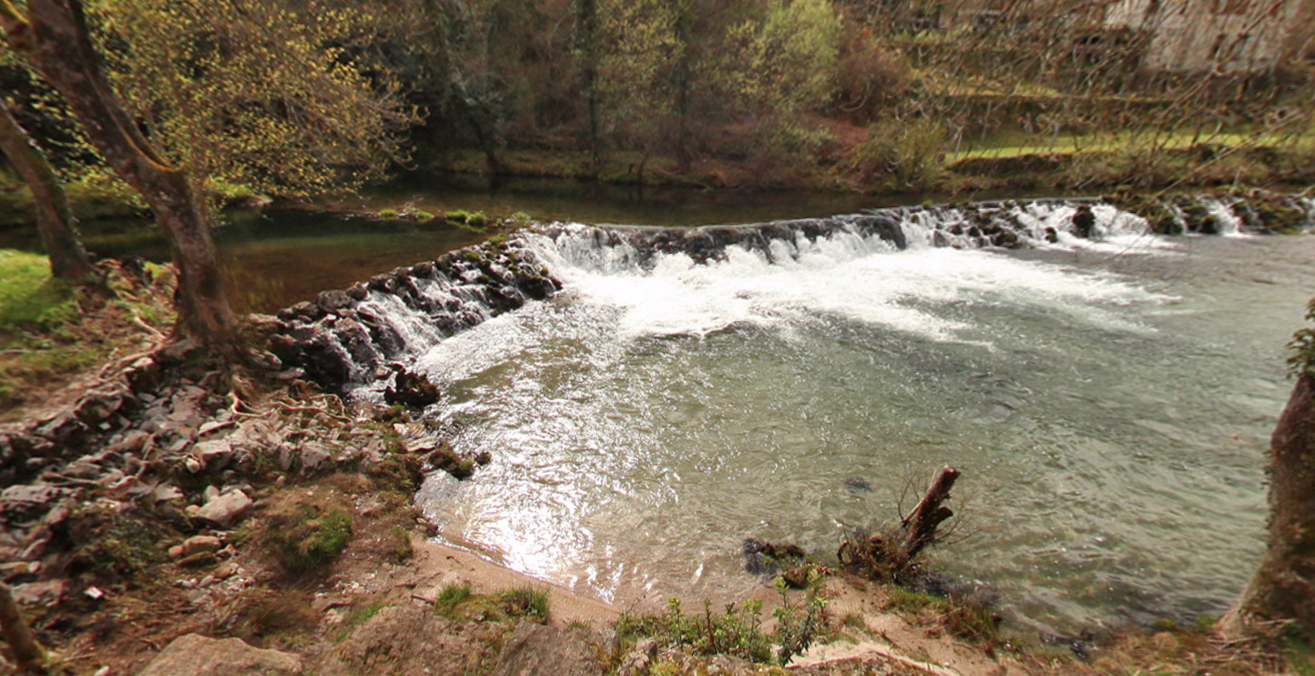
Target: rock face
{"points": [[536, 650], [412, 640], [196, 655]]}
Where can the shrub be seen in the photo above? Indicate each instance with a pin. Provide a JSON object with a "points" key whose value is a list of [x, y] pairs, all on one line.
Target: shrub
{"points": [[527, 602], [737, 631], [908, 154], [451, 596], [316, 541]]}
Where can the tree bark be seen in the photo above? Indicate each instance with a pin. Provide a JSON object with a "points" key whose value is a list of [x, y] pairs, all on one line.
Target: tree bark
{"points": [[17, 634], [919, 527], [55, 222], [1283, 589], [54, 39]]}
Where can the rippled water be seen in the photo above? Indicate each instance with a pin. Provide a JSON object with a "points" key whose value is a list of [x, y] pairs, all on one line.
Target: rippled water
{"points": [[1109, 408]]}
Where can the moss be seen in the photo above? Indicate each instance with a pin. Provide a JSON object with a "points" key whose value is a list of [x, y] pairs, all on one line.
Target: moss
{"points": [[316, 541]]}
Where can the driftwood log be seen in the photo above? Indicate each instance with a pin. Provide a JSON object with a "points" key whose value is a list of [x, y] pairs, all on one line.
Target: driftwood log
{"points": [[887, 555], [26, 651]]}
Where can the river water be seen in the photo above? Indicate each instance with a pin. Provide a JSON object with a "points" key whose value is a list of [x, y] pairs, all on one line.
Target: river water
{"points": [[1108, 404]]}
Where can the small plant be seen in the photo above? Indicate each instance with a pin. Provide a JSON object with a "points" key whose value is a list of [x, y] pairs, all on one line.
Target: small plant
{"points": [[737, 631], [527, 602], [400, 549], [316, 541], [798, 625], [450, 597]]}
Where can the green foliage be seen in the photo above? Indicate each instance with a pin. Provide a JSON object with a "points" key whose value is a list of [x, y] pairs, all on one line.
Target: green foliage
{"points": [[798, 625], [1302, 346], [907, 153], [737, 631], [29, 296], [316, 541], [262, 94], [526, 602], [474, 220], [450, 597]]}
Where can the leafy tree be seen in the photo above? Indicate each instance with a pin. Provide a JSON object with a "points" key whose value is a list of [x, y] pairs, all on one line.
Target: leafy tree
{"points": [[269, 95], [53, 37]]}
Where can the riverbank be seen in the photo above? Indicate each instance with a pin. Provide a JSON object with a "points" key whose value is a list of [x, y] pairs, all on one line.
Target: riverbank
{"points": [[165, 494]]}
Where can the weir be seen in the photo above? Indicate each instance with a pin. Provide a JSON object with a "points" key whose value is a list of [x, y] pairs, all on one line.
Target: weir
{"points": [[345, 338]]}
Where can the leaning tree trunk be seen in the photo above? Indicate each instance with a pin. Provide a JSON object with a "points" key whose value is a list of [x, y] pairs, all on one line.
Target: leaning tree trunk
{"points": [[54, 39], [59, 235], [1283, 588]]}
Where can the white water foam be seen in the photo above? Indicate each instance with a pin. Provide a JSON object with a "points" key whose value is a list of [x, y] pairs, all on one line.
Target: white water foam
{"points": [[844, 275]]}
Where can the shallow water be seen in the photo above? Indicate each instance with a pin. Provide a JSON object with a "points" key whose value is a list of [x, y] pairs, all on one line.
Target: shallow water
{"points": [[1109, 407]]}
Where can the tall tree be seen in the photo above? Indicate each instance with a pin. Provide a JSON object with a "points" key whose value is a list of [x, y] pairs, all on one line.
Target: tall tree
{"points": [[55, 222], [52, 35], [1282, 591]]}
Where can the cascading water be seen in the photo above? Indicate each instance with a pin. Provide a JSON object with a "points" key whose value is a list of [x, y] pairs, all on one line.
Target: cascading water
{"points": [[676, 391]]}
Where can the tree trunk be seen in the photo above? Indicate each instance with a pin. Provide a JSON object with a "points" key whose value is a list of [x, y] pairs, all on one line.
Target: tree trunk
{"points": [[919, 527], [55, 222], [53, 37], [1283, 588], [17, 634]]}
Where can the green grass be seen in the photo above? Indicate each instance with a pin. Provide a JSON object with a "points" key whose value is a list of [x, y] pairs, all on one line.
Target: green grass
{"points": [[450, 597], [1015, 144], [29, 296]]}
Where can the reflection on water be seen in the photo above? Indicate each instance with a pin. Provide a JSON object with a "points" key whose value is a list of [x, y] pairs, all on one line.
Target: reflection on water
{"points": [[1109, 413]]}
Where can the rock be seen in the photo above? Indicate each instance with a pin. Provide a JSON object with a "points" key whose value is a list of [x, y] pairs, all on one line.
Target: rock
{"points": [[201, 543], [333, 300], [176, 552], [411, 389], [537, 650], [226, 510], [199, 560], [97, 406], [636, 662], [858, 484], [214, 455], [209, 494], [412, 640], [143, 375], [196, 655], [313, 456]]}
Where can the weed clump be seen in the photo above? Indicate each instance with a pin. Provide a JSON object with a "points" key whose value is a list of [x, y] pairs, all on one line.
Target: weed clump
{"points": [[316, 541], [450, 597], [737, 631]]}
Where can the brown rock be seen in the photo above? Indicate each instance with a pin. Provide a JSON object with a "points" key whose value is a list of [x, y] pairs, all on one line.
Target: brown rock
{"points": [[196, 655]]}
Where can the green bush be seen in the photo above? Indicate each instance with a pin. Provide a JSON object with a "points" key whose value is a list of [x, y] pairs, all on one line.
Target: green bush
{"points": [[737, 631], [451, 596], [527, 602], [316, 541], [906, 153]]}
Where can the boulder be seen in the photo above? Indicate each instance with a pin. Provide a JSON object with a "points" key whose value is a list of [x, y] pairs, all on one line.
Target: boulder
{"points": [[314, 456], [225, 510], [196, 655], [412, 640], [537, 650], [201, 543]]}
